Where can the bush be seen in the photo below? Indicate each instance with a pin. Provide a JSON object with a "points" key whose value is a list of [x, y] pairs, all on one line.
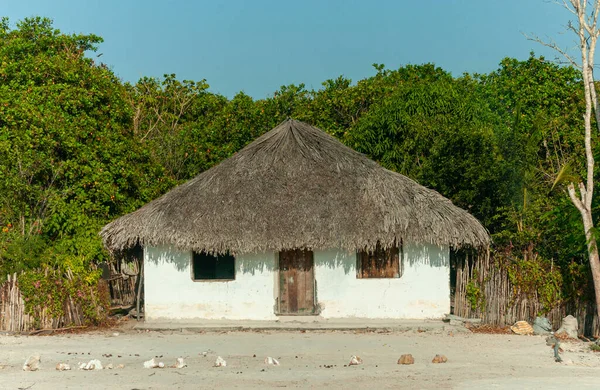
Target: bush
{"points": [[53, 290]]}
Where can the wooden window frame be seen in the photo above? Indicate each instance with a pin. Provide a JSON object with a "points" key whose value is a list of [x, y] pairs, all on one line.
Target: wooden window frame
{"points": [[216, 256], [397, 253]]}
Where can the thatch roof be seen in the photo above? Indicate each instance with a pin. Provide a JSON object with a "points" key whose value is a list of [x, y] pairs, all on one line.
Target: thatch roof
{"points": [[295, 187]]}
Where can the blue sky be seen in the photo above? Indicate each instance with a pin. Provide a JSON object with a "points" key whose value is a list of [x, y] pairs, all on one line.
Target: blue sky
{"points": [[256, 46]]}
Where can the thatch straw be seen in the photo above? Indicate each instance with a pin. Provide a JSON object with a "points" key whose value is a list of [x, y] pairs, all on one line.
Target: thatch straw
{"points": [[295, 187]]}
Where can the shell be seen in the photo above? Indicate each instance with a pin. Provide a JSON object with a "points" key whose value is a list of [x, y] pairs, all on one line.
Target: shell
{"points": [[355, 360], [220, 362], [62, 367], [271, 361], [522, 328]]}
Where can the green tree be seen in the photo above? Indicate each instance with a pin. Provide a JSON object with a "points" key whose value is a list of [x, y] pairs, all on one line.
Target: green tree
{"points": [[440, 133], [339, 105], [168, 118], [67, 160], [539, 103]]}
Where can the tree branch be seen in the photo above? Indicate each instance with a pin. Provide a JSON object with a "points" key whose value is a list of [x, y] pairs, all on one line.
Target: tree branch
{"points": [[554, 46], [576, 201], [564, 4]]}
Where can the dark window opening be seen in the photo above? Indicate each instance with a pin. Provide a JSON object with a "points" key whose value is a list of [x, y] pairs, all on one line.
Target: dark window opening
{"points": [[213, 267], [379, 263]]}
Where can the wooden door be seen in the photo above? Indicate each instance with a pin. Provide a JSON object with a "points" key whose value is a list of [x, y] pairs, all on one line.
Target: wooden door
{"points": [[296, 282]]}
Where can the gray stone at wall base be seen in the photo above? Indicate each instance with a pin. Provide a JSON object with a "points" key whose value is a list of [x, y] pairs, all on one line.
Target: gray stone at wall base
{"points": [[456, 329], [456, 320], [542, 326], [134, 314]]}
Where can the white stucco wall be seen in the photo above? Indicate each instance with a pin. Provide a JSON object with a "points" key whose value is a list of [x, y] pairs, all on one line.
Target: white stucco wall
{"points": [[423, 291], [171, 293]]}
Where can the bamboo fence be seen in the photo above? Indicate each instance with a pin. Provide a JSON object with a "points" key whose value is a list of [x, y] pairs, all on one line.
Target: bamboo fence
{"points": [[12, 307], [14, 318], [502, 304]]}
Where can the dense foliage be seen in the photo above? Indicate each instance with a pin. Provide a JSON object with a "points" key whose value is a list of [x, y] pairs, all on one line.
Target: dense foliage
{"points": [[78, 147]]}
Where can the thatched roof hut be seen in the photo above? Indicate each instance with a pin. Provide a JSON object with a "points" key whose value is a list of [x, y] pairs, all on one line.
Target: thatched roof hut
{"points": [[295, 187]]}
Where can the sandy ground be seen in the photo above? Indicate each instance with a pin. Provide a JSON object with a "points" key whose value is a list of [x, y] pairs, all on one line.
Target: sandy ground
{"points": [[474, 361]]}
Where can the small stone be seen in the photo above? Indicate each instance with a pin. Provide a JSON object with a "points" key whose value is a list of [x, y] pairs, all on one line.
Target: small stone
{"points": [[32, 363], [120, 366], [406, 359], [109, 366], [355, 360], [550, 341], [439, 359], [116, 334], [452, 317], [62, 367]]}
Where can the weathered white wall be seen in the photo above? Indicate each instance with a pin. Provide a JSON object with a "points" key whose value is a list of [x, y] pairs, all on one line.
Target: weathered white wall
{"points": [[171, 293], [423, 291]]}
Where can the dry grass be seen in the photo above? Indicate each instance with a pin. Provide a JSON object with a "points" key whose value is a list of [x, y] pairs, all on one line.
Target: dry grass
{"points": [[491, 329], [109, 324]]}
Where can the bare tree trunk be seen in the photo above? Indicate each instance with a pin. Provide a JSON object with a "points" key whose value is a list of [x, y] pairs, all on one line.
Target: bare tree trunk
{"points": [[587, 31], [585, 26], [594, 258], [594, 266], [588, 34]]}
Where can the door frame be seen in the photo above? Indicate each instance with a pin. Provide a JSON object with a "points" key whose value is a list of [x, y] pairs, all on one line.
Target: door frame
{"points": [[316, 308]]}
